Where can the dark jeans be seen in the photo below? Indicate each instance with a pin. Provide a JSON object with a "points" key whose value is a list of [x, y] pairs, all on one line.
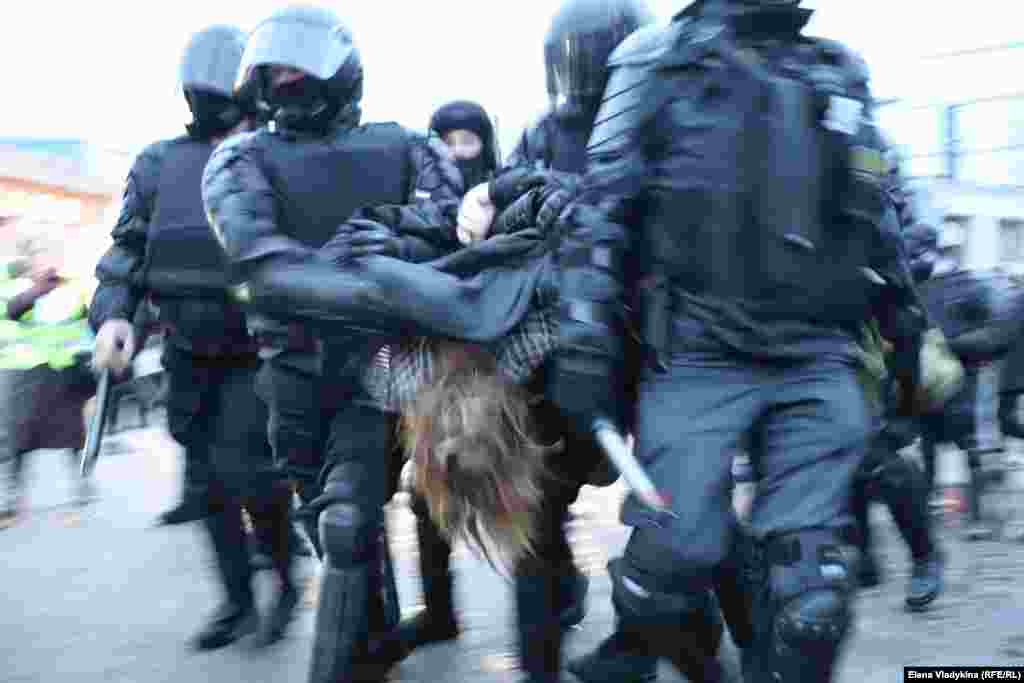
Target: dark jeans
{"points": [[805, 426]]}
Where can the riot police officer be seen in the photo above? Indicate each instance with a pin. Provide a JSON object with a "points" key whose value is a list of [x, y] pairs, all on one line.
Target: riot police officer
{"points": [[741, 156], [275, 197], [163, 249]]}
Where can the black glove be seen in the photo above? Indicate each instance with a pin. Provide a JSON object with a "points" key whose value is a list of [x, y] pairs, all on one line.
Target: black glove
{"points": [[513, 184], [539, 208], [552, 200], [358, 238], [520, 215]]}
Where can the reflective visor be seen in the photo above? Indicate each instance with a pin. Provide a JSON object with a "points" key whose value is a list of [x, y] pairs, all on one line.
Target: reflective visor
{"points": [[315, 48], [210, 61]]}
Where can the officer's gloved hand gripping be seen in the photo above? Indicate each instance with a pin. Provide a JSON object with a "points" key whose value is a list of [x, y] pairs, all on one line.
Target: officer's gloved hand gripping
{"points": [[115, 347]]}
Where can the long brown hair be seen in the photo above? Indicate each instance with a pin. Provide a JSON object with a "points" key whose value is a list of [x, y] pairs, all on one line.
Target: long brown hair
{"points": [[477, 457]]}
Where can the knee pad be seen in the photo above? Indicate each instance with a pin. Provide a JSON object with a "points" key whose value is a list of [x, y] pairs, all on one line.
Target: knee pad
{"points": [[808, 612], [348, 534]]}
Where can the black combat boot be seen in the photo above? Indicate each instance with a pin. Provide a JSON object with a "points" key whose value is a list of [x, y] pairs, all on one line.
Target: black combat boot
{"points": [[195, 500], [623, 657], [237, 617], [229, 623]]}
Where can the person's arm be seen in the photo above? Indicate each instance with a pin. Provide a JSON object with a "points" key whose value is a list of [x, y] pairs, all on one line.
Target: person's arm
{"points": [[120, 270], [598, 238]]}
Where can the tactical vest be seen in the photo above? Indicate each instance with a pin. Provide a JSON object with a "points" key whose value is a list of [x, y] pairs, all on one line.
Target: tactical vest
{"points": [[186, 267], [321, 182], [183, 258], [769, 189]]}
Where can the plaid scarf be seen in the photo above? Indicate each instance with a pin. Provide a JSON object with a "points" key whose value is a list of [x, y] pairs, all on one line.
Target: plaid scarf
{"points": [[399, 372]]}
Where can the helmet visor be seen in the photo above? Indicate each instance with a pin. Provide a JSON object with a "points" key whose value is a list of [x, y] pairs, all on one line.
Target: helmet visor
{"points": [[317, 49], [210, 61]]}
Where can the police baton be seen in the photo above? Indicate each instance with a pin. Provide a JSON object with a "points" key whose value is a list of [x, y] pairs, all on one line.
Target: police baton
{"points": [[94, 437], [621, 455]]}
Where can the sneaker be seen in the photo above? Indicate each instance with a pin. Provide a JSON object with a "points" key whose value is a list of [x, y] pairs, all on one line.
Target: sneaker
{"points": [[925, 581]]}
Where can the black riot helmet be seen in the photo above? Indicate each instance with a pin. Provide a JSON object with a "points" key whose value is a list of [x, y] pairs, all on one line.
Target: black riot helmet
{"points": [[206, 75], [315, 41], [582, 35], [922, 245]]}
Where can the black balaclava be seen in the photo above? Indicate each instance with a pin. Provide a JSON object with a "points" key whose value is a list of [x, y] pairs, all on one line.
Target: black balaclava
{"points": [[465, 115], [213, 114]]}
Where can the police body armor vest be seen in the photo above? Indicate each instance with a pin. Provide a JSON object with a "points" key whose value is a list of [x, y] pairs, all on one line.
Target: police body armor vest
{"points": [[761, 198], [186, 268], [321, 182], [183, 257]]}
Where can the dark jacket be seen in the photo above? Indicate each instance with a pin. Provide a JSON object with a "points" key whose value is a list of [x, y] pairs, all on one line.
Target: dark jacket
{"points": [[289, 278], [668, 220], [206, 323]]}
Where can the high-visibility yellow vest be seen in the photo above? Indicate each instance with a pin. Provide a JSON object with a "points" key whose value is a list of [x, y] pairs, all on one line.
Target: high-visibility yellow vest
{"points": [[52, 332]]}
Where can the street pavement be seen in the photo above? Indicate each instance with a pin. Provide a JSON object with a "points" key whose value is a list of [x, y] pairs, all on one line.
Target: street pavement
{"points": [[97, 594]]}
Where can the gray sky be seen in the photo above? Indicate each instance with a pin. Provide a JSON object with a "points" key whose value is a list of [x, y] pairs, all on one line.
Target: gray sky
{"points": [[105, 70]]}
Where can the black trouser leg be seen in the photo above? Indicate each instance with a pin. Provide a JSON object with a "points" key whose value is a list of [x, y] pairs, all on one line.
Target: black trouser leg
{"points": [[357, 484], [902, 487], [227, 536]]}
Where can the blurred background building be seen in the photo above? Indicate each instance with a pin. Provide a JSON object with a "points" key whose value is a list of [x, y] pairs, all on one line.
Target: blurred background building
{"points": [[68, 190], [964, 148]]}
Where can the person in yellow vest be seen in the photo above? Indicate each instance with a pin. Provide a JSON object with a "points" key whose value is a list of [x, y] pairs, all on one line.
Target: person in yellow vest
{"points": [[45, 382]]}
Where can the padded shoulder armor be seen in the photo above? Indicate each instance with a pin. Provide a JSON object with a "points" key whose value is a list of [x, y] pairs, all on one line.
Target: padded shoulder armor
{"points": [[646, 44], [632, 95], [239, 143]]}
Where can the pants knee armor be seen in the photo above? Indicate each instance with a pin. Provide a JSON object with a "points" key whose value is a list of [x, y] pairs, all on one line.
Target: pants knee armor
{"points": [[348, 535], [807, 612]]}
